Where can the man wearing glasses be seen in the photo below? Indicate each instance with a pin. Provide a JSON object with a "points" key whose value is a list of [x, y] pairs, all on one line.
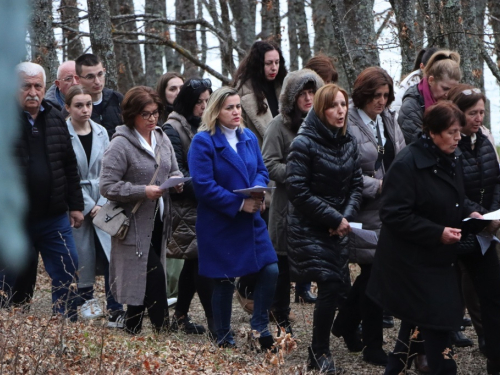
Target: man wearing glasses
{"points": [[48, 165], [65, 79], [106, 109]]}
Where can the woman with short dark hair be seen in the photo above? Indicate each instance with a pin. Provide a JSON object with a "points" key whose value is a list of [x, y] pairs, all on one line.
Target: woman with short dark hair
{"points": [[379, 140], [422, 206], [324, 67], [168, 87], [324, 184], [138, 151]]}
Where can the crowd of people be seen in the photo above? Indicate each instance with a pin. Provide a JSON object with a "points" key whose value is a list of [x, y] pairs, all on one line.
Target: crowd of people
{"points": [[281, 167]]}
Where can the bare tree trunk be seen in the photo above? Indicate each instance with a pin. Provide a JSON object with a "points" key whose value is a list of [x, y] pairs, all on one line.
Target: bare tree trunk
{"points": [[473, 24], [419, 27], [226, 46], [494, 8], [324, 40], [300, 16], [344, 56], [186, 36], [244, 22], [43, 43], [359, 31], [171, 56], [101, 40], [453, 24], [292, 37], [153, 53], [203, 32], [270, 14], [69, 16], [128, 57], [404, 11]]}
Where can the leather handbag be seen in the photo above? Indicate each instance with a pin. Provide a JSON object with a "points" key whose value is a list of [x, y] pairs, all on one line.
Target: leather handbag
{"points": [[112, 219]]}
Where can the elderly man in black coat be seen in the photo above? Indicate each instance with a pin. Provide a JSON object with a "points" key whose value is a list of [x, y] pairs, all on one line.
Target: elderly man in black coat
{"points": [[48, 165]]}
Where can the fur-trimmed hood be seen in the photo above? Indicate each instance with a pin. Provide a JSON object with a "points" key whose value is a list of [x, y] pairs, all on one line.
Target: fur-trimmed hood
{"points": [[292, 85]]}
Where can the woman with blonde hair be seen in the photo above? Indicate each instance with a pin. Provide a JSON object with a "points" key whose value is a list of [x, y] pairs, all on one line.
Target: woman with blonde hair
{"points": [[441, 73], [232, 236], [324, 183]]}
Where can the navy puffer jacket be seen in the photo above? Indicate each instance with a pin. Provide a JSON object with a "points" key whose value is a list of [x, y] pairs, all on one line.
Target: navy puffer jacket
{"points": [[324, 184], [481, 171]]}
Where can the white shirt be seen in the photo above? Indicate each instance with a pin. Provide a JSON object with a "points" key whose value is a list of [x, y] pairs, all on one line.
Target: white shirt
{"points": [[373, 124], [231, 137], [150, 149]]}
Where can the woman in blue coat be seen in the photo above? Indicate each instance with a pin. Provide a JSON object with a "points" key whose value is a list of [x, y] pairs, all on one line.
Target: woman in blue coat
{"points": [[232, 237]]}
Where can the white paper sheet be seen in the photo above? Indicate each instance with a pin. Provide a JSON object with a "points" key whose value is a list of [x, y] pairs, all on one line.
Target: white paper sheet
{"points": [[173, 181], [255, 189], [495, 215]]}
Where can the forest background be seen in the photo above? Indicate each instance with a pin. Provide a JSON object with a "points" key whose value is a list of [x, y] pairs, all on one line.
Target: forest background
{"points": [[139, 40]]}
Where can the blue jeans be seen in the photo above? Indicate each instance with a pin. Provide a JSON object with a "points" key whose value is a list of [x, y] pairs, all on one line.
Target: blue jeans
{"points": [[222, 299], [53, 239]]}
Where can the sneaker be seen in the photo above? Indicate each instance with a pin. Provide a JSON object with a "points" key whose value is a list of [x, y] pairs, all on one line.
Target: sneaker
{"points": [[91, 309], [185, 324], [116, 319], [171, 302]]}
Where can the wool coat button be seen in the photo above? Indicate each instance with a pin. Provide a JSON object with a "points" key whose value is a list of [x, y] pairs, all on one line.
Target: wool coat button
{"points": [[435, 171], [456, 205]]}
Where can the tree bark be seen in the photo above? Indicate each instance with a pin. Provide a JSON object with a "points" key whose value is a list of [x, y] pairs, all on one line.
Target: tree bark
{"points": [[171, 56], [301, 19], [292, 37], [404, 11], [203, 32], [73, 44], [344, 56], [244, 22], [43, 42], [494, 8], [226, 46], [453, 24], [271, 21], [359, 31], [186, 37], [153, 54], [473, 24], [128, 61]]}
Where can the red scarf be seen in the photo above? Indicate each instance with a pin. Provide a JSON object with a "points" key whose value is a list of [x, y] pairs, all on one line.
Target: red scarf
{"points": [[425, 91]]}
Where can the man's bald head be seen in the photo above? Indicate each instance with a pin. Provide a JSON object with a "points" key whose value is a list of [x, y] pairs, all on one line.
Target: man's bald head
{"points": [[65, 76]]}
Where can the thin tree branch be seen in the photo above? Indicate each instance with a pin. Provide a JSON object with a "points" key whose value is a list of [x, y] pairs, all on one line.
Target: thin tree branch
{"points": [[491, 64], [384, 24]]}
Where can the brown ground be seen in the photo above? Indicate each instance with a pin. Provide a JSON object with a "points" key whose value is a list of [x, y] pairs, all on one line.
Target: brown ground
{"points": [[35, 343]]}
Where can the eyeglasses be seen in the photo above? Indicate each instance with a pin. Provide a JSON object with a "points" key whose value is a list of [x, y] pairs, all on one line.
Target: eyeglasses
{"points": [[197, 83], [68, 79], [470, 91], [147, 115], [92, 77]]}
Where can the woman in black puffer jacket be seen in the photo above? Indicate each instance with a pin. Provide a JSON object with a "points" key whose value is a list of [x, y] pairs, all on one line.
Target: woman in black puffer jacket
{"points": [[480, 272], [324, 184]]}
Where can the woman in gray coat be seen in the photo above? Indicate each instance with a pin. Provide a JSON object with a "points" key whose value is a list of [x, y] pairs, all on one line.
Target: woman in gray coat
{"points": [[379, 140], [93, 245], [136, 151], [295, 101]]}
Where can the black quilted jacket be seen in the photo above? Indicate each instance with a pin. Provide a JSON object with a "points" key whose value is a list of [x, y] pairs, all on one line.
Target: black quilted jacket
{"points": [[111, 115], [411, 114], [481, 172], [66, 193], [324, 184]]}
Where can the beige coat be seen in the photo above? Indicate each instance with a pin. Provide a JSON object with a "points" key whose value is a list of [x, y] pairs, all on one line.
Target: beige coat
{"points": [[126, 170], [253, 121]]}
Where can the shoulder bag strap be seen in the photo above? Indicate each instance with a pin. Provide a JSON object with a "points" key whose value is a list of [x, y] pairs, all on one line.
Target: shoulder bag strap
{"points": [[158, 161]]}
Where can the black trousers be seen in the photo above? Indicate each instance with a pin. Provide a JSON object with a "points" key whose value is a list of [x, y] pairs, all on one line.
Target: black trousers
{"points": [[435, 343], [484, 271], [155, 299], [359, 308], [329, 295], [281, 303], [191, 282]]}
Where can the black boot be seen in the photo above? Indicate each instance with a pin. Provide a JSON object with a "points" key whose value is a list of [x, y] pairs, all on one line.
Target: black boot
{"points": [[267, 344], [352, 340], [212, 332], [284, 322], [305, 297], [324, 363], [459, 339]]}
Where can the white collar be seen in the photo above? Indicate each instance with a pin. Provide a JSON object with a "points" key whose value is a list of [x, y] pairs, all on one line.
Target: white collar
{"points": [[145, 144], [229, 133], [366, 119]]}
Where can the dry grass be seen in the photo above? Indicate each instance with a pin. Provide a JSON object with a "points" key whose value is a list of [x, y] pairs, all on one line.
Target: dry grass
{"points": [[36, 343]]}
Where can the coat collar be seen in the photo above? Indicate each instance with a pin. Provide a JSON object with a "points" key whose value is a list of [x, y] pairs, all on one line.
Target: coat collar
{"points": [[238, 160]]}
